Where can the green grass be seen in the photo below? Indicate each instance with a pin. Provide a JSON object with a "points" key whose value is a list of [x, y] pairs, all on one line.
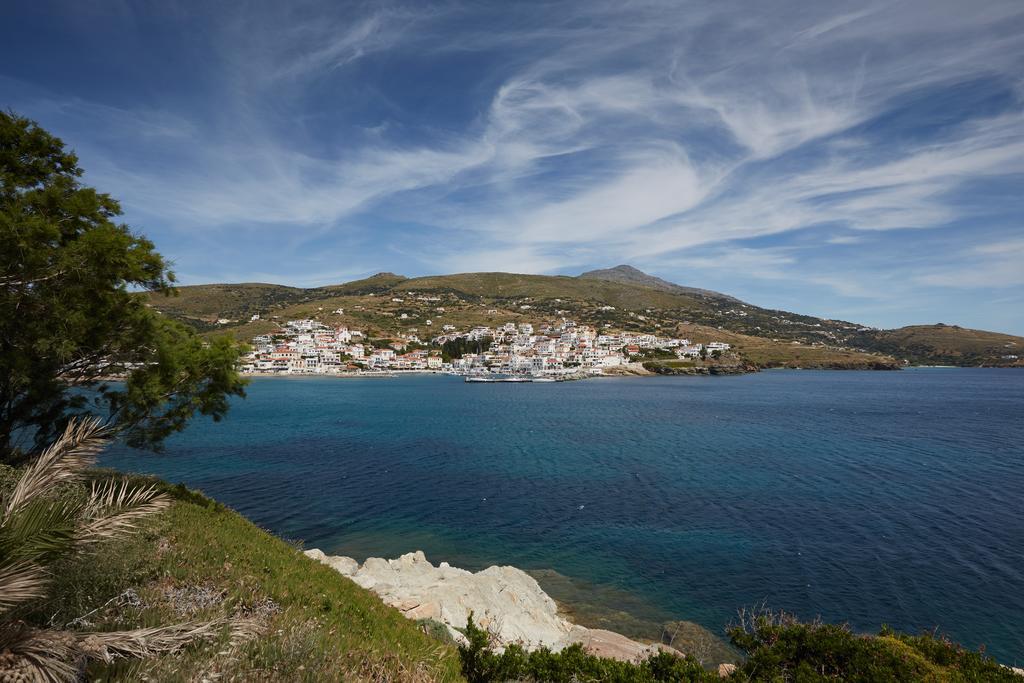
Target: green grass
{"points": [[209, 302], [314, 624]]}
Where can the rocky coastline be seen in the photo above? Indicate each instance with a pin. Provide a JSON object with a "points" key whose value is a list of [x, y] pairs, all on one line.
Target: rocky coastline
{"points": [[746, 367], [709, 369], [506, 601]]}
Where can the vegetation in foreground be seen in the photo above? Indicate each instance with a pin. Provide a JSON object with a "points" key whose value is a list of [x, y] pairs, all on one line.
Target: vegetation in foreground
{"points": [[481, 664], [197, 562], [778, 649], [44, 519]]}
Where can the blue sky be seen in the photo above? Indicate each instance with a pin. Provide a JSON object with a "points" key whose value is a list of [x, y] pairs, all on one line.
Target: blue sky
{"points": [[857, 160]]}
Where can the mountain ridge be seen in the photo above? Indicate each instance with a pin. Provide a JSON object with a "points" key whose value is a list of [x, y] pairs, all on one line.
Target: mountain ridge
{"points": [[628, 274]]}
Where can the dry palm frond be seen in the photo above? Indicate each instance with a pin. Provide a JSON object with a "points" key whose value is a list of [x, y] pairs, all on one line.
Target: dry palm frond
{"points": [[114, 508], [36, 528], [159, 640], [20, 582], [38, 655], [64, 460], [59, 656]]}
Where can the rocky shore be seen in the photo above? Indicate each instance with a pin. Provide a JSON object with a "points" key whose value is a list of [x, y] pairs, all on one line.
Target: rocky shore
{"points": [[506, 601], [626, 370], [705, 369]]}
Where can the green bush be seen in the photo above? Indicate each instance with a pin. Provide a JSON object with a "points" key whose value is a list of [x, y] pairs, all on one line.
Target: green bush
{"points": [[481, 664], [780, 648]]}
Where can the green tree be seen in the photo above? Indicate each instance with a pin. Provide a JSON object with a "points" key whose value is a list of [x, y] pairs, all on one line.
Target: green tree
{"points": [[460, 346], [72, 312]]}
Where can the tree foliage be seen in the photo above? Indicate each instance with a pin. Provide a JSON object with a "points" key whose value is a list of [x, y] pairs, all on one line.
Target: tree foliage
{"points": [[458, 347], [72, 313]]}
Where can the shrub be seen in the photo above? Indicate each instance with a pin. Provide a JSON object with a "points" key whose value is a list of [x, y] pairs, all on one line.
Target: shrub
{"points": [[481, 664], [780, 648]]}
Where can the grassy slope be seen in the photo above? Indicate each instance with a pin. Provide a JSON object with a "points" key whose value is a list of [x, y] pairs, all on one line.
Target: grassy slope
{"points": [[206, 303], [315, 625], [954, 344], [511, 285], [201, 305], [771, 354]]}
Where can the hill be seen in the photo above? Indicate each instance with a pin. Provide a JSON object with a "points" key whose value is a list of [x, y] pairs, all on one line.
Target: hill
{"points": [[630, 275], [381, 282], [201, 306], [942, 344], [621, 299]]}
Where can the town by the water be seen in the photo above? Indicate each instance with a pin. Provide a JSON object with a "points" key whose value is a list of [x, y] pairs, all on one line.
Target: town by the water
{"points": [[511, 351]]}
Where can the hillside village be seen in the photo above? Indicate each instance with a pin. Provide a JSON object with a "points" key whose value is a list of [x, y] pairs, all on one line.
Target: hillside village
{"points": [[392, 307], [310, 347]]}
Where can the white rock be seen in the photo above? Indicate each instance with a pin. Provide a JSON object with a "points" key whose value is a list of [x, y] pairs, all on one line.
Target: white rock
{"points": [[609, 644], [459, 638], [342, 565], [506, 601]]}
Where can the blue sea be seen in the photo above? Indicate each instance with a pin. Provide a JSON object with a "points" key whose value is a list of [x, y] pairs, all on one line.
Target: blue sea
{"points": [[861, 497]]}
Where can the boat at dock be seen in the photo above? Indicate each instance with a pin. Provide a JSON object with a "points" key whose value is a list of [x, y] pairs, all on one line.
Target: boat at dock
{"points": [[512, 380]]}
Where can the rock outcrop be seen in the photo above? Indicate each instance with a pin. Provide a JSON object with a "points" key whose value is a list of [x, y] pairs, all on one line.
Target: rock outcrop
{"points": [[506, 601], [626, 370], [713, 368]]}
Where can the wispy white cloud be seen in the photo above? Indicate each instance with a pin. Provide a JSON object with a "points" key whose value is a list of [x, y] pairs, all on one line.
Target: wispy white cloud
{"points": [[698, 136], [774, 264], [519, 259], [996, 265]]}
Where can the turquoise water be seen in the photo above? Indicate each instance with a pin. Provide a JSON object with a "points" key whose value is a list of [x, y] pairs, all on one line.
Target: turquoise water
{"points": [[864, 497]]}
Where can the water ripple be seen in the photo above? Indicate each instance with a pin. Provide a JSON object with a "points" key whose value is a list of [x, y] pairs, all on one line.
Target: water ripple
{"points": [[863, 497]]}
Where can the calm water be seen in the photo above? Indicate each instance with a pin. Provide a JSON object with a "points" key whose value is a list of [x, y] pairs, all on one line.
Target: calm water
{"points": [[864, 497]]}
